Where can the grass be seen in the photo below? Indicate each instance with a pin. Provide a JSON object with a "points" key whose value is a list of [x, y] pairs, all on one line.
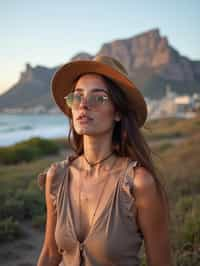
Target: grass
{"points": [[170, 128]]}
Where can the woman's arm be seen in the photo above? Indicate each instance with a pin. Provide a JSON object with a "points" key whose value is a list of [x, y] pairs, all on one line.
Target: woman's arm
{"points": [[49, 255], [153, 219]]}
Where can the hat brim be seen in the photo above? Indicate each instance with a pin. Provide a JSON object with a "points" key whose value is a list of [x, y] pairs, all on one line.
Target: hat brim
{"points": [[63, 81]]}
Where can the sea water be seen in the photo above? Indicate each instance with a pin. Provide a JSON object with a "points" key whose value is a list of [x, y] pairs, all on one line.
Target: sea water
{"points": [[19, 127]]}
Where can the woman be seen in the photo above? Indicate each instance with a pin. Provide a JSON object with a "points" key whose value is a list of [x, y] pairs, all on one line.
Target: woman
{"points": [[103, 201]]}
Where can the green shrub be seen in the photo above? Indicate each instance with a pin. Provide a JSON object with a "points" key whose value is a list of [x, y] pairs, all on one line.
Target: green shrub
{"points": [[190, 230], [187, 223], [183, 206], [27, 150], [188, 258], [9, 230], [24, 204], [33, 203], [12, 207]]}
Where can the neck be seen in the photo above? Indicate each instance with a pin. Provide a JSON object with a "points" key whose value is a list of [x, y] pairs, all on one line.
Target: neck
{"points": [[96, 148]]}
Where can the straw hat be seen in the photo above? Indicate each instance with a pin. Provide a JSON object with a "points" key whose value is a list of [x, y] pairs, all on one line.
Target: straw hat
{"points": [[63, 81]]}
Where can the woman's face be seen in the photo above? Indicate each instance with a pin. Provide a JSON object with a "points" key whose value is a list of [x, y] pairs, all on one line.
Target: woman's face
{"points": [[98, 119]]}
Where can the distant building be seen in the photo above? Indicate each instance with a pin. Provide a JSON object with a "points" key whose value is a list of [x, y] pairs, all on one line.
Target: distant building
{"points": [[184, 103], [174, 105]]}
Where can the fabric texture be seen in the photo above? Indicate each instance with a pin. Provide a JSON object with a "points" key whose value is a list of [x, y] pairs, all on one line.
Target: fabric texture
{"points": [[114, 238]]}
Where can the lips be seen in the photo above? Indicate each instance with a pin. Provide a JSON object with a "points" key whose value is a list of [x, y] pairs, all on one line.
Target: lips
{"points": [[84, 117]]}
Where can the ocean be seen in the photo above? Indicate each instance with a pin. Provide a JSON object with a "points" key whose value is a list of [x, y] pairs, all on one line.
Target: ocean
{"points": [[19, 127]]}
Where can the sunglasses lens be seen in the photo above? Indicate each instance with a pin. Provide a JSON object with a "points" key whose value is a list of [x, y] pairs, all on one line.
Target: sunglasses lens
{"points": [[77, 100], [69, 99], [94, 101], [99, 99]]}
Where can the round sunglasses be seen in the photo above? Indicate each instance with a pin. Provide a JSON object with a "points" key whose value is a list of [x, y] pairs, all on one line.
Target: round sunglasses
{"points": [[73, 100]]}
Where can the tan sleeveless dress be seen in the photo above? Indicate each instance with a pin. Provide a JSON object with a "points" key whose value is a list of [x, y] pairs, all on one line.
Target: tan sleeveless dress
{"points": [[114, 237]]}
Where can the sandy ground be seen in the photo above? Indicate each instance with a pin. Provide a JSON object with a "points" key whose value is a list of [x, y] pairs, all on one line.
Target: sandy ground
{"points": [[23, 252]]}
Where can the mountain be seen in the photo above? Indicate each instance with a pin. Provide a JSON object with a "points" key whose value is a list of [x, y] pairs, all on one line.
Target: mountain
{"points": [[31, 90], [151, 61]]}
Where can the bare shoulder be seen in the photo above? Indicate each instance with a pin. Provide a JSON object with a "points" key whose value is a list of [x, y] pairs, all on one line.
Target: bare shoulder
{"points": [[146, 187], [143, 179]]}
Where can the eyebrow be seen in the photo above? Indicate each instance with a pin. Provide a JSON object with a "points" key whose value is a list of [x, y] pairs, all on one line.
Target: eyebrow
{"points": [[92, 90]]}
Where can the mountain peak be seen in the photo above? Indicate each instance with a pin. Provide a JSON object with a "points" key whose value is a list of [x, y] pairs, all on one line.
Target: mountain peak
{"points": [[81, 56], [26, 75], [149, 33]]}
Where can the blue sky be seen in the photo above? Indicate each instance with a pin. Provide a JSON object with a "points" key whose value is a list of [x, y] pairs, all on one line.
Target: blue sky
{"points": [[49, 32]]}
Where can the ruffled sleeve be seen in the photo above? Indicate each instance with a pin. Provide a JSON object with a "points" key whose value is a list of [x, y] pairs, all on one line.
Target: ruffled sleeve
{"points": [[127, 187], [41, 178], [55, 175], [128, 179], [128, 200]]}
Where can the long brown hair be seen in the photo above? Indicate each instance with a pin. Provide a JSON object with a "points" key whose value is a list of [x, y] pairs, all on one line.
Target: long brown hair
{"points": [[127, 139]]}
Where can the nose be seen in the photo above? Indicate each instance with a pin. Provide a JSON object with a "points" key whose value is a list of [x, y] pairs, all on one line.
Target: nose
{"points": [[84, 103]]}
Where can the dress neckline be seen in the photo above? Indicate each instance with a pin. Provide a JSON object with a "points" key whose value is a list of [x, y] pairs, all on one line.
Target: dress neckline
{"points": [[98, 213]]}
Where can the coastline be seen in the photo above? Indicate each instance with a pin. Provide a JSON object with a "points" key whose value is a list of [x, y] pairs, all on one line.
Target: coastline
{"points": [[15, 128]]}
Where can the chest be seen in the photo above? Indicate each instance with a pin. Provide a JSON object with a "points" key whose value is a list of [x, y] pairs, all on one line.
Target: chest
{"points": [[112, 233], [87, 200]]}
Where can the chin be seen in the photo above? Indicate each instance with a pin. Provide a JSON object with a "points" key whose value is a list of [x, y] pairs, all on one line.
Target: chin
{"points": [[91, 131], [88, 132], [85, 131]]}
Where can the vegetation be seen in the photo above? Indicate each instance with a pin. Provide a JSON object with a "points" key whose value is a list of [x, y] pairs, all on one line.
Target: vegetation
{"points": [[175, 145], [27, 151], [9, 229]]}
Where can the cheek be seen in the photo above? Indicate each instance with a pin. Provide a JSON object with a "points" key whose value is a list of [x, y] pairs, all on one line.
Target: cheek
{"points": [[108, 113], [105, 117]]}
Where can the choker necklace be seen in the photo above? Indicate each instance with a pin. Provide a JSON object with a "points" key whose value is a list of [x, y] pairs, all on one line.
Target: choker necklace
{"points": [[102, 160]]}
